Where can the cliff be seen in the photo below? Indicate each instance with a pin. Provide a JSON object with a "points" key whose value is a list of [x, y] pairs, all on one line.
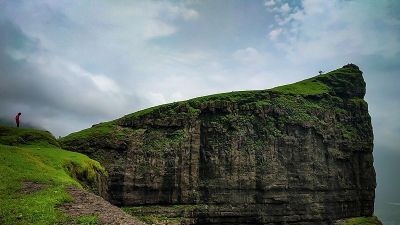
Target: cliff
{"points": [[299, 154]]}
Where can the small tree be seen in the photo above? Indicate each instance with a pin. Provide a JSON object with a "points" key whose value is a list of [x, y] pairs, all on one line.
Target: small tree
{"points": [[320, 72]]}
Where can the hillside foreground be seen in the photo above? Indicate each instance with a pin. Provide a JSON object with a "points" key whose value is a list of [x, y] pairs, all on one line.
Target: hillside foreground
{"points": [[40, 183]]}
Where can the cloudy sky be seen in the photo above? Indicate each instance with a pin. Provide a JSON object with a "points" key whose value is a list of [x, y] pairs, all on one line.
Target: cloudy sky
{"points": [[69, 64]]}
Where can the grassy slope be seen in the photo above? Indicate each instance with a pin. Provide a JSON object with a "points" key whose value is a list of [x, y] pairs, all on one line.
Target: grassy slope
{"points": [[313, 86], [33, 155]]}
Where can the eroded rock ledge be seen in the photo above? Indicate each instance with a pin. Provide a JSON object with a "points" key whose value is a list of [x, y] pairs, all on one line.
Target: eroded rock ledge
{"points": [[298, 154]]}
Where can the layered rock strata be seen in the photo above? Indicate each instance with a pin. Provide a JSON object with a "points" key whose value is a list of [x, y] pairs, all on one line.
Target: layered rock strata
{"points": [[298, 154]]}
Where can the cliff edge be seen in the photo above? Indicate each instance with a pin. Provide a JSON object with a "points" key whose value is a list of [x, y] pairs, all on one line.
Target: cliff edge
{"points": [[298, 154]]}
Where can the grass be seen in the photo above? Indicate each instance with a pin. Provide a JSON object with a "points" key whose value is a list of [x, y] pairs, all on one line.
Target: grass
{"points": [[306, 87], [101, 130], [87, 220], [36, 208], [48, 165], [328, 83], [24, 136], [373, 220]]}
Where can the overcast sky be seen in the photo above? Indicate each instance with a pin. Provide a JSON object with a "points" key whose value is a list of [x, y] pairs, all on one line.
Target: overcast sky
{"points": [[69, 64]]}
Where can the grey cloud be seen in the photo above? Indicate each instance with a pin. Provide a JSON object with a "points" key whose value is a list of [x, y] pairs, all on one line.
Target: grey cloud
{"points": [[45, 89]]}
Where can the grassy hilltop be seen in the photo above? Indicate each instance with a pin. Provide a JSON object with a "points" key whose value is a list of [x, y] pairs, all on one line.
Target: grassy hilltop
{"points": [[346, 82]]}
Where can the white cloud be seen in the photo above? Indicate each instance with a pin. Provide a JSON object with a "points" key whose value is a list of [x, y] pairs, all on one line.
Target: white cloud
{"points": [[248, 54], [177, 96], [187, 14], [273, 35], [105, 84], [253, 62], [324, 29], [156, 98], [316, 7], [269, 3], [102, 82], [284, 8], [157, 29]]}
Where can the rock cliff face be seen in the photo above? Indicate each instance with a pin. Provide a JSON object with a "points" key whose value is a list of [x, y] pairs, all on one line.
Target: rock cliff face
{"points": [[298, 154]]}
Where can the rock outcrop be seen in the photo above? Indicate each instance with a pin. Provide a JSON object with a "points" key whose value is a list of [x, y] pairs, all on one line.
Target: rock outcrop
{"points": [[298, 154]]}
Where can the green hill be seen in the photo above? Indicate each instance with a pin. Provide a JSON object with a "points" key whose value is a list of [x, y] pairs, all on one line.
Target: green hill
{"points": [[29, 155]]}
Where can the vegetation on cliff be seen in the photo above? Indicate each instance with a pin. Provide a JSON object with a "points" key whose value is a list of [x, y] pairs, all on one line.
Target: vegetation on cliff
{"points": [[33, 157], [373, 220], [293, 103]]}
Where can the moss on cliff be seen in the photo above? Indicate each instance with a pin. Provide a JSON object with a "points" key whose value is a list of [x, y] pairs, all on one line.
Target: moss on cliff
{"points": [[373, 220]]}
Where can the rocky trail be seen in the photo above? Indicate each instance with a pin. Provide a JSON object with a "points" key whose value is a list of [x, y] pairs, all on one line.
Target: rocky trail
{"points": [[87, 204]]}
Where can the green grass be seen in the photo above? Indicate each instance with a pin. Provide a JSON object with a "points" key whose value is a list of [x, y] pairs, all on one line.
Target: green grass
{"points": [[359, 102], [36, 208], [48, 165], [328, 83], [306, 87], [87, 220], [101, 130], [336, 80], [107, 133], [373, 220], [24, 136]]}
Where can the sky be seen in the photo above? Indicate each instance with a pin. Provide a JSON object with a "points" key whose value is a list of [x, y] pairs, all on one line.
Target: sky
{"points": [[69, 64]]}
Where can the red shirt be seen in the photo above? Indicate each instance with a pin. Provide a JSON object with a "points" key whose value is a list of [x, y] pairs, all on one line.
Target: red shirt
{"points": [[17, 118]]}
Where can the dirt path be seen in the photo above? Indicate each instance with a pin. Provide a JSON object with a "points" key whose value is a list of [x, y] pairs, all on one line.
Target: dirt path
{"points": [[87, 204]]}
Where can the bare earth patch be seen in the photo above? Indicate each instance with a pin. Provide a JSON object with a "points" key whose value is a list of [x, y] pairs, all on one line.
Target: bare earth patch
{"points": [[31, 187], [89, 204]]}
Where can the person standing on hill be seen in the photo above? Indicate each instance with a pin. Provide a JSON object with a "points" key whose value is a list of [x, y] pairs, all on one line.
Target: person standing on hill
{"points": [[17, 118]]}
